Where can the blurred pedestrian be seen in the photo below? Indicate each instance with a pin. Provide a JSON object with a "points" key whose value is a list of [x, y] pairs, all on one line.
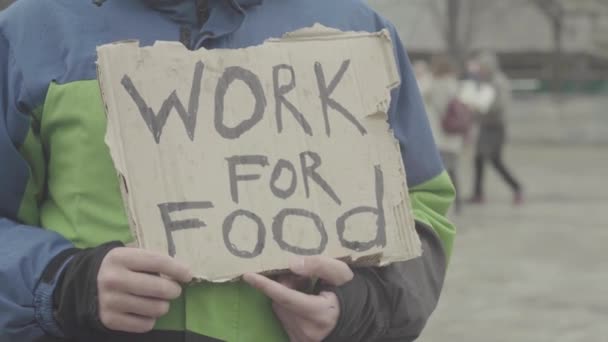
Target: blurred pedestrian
{"points": [[440, 100], [495, 90]]}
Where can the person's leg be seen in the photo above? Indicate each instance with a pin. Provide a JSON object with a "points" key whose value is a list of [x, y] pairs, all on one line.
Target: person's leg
{"points": [[507, 176], [479, 170]]}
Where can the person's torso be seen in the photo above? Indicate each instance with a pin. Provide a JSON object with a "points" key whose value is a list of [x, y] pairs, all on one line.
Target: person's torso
{"points": [[55, 46], [443, 91]]}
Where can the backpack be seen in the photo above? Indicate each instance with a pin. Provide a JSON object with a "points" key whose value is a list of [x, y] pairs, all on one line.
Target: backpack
{"points": [[457, 119]]}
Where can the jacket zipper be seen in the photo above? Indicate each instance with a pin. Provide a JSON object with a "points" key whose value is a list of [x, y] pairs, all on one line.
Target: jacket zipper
{"points": [[202, 11], [185, 36], [202, 14]]}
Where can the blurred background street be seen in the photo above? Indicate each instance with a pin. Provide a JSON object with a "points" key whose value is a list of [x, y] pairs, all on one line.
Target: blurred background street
{"points": [[535, 272]]}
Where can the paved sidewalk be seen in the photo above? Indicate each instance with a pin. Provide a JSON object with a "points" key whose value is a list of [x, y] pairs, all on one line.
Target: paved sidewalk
{"points": [[536, 273], [571, 120]]}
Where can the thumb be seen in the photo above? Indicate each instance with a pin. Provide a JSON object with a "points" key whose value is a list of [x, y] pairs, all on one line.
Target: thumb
{"points": [[332, 271]]}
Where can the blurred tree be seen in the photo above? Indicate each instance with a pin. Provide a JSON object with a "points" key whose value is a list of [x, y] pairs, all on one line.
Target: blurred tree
{"points": [[458, 21], [556, 12], [4, 4]]}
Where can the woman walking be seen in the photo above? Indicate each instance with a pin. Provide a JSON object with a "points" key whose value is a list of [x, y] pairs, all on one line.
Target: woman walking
{"points": [[492, 132]]}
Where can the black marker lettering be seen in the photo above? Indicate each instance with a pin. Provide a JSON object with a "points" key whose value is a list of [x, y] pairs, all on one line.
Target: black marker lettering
{"points": [[279, 95], [261, 239], [325, 92], [172, 226], [277, 231], [309, 171], [230, 75], [234, 178], [156, 122], [380, 239], [281, 165]]}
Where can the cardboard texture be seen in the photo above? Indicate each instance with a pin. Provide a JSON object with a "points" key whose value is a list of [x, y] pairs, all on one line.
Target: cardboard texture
{"points": [[233, 161]]}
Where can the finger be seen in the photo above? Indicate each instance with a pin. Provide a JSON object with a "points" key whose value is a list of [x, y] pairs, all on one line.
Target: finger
{"points": [[288, 321], [332, 271], [292, 300], [139, 284], [127, 323], [147, 285], [332, 300], [141, 306], [146, 261], [332, 312]]}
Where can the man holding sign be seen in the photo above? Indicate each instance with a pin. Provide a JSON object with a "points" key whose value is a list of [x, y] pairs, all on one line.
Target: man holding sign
{"points": [[65, 273]]}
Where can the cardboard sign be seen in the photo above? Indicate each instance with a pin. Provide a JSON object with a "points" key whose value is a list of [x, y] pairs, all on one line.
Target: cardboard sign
{"points": [[233, 161]]}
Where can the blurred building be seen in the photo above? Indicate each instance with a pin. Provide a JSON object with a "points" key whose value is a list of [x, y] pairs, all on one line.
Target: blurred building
{"points": [[520, 31]]}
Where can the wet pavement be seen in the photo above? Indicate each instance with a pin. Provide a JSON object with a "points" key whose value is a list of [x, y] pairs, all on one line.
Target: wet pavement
{"points": [[538, 272]]}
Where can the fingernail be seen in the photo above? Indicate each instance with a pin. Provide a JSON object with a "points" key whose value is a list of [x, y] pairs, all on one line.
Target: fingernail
{"points": [[297, 264]]}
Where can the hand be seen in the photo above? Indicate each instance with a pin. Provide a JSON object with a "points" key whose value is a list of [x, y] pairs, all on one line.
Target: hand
{"points": [[135, 287], [306, 318]]}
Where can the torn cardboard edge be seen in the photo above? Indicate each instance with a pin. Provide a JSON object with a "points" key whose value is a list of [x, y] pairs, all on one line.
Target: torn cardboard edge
{"points": [[317, 32]]}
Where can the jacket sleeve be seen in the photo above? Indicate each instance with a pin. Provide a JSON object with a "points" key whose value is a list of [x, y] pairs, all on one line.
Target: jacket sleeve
{"points": [[394, 303], [26, 283]]}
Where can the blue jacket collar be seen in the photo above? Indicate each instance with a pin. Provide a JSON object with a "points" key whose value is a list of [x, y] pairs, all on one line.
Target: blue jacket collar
{"points": [[184, 11], [249, 3], [168, 3]]}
